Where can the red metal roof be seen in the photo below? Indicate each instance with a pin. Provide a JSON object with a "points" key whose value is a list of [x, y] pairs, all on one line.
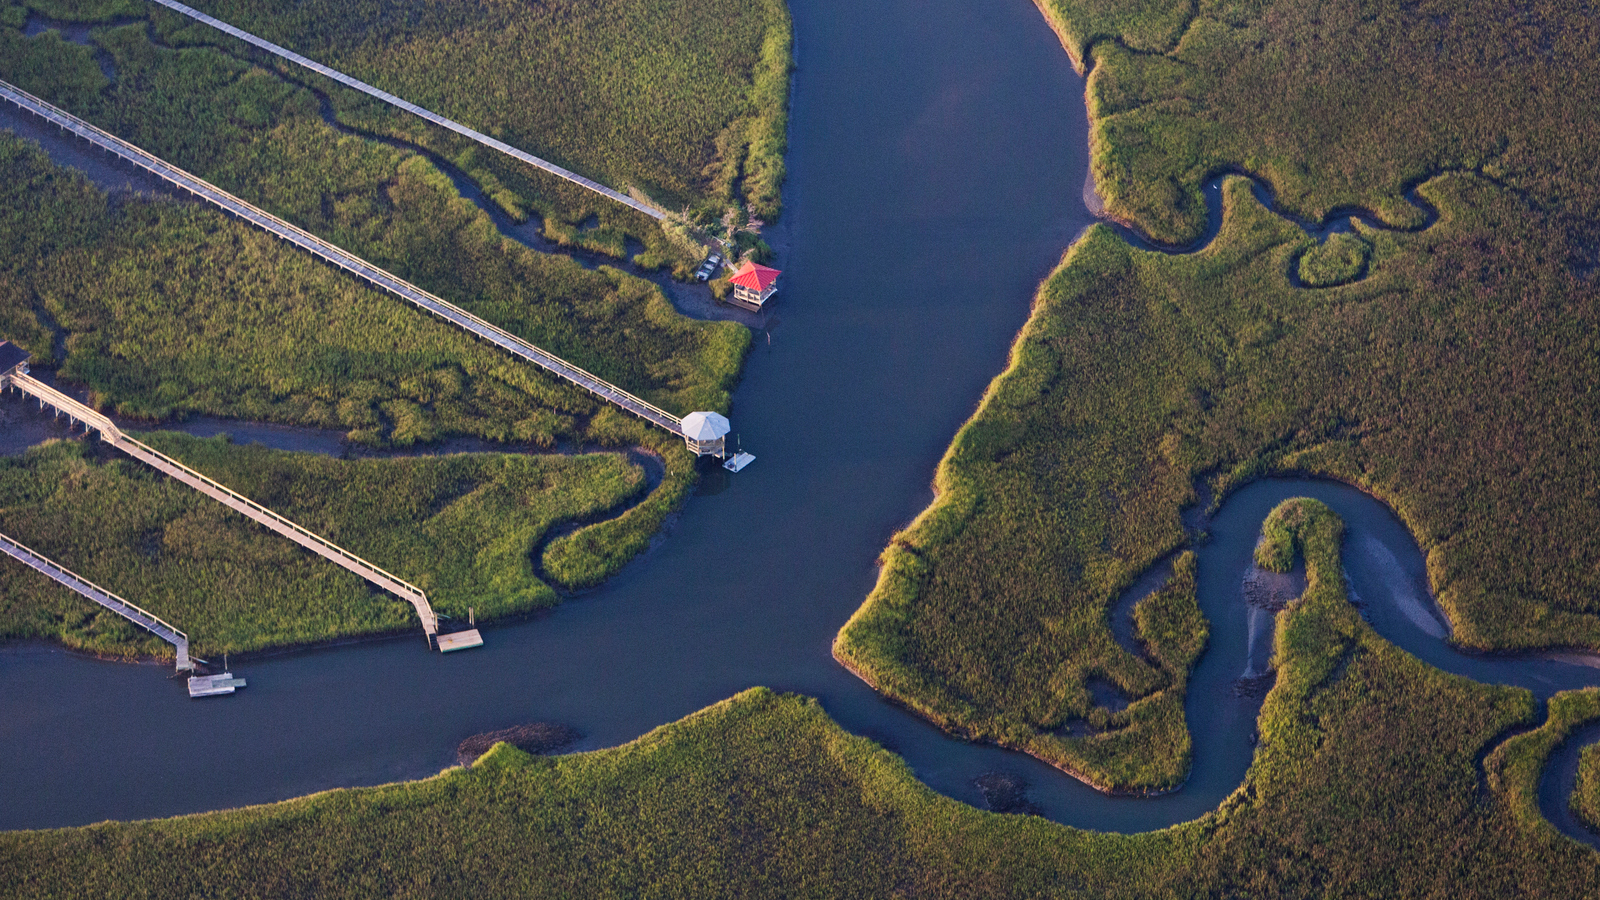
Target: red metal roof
{"points": [[755, 277]]}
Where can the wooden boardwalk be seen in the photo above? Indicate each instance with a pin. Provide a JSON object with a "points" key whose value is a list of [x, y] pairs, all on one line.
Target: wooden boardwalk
{"points": [[324, 548], [144, 619], [344, 260], [412, 108]]}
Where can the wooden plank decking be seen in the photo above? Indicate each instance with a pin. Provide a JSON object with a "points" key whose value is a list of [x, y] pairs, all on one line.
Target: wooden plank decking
{"points": [[412, 108]]}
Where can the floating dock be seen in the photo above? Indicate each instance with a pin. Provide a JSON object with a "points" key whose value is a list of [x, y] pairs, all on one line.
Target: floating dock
{"points": [[214, 685], [460, 640], [738, 461]]}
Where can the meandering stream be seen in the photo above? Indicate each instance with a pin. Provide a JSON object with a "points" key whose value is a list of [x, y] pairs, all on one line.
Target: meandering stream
{"points": [[937, 160]]}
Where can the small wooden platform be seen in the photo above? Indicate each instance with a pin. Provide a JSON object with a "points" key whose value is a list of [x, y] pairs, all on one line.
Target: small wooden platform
{"points": [[460, 640], [739, 461], [214, 685]]}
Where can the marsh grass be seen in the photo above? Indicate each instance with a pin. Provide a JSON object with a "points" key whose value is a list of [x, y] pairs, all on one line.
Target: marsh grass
{"points": [[464, 528], [685, 101], [262, 138], [1337, 104], [1341, 259], [1140, 373], [171, 309], [1586, 794], [1365, 784]]}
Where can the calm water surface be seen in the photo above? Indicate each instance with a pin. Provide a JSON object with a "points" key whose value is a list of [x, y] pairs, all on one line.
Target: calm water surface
{"points": [[937, 158]]}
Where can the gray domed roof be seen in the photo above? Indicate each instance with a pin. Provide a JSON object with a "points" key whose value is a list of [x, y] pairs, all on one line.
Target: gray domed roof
{"points": [[705, 426]]}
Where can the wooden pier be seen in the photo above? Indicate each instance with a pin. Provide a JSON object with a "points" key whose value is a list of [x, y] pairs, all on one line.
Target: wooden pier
{"points": [[111, 434], [60, 574], [349, 262], [392, 100]]}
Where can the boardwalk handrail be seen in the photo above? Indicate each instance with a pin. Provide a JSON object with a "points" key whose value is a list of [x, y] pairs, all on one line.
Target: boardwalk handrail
{"points": [[344, 259], [145, 619], [414, 109], [232, 499]]}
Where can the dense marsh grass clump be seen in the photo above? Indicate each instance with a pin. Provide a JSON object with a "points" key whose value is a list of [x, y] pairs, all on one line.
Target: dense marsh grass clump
{"points": [[1365, 784], [1586, 796], [465, 528], [1341, 259]]}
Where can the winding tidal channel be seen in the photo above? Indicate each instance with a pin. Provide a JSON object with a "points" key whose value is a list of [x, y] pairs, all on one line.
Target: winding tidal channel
{"points": [[938, 153]]}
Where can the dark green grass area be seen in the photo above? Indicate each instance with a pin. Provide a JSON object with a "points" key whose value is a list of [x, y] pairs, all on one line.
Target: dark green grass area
{"points": [[1337, 102], [686, 101], [464, 528], [1365, 785], [256, 135], [1455, 382], [1341, 259], [1586, 796]]}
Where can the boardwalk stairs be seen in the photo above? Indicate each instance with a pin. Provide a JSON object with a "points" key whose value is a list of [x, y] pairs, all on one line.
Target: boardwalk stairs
{"points": [[111, 434]]}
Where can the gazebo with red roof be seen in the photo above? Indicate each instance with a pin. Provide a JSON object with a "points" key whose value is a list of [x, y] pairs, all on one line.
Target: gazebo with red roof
{"points": [[754, 285]]}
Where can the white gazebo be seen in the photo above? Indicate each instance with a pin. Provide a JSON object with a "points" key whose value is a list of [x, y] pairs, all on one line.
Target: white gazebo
{"points": [[706, 433]]}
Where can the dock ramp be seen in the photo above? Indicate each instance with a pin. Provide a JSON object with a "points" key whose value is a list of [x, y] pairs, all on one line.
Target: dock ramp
{"points": [[60, 574], [111, 434]]}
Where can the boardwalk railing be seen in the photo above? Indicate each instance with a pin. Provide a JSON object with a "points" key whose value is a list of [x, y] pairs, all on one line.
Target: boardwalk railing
{"points": [[328, 550], [433, 117], [144, 619], [344, 260]]}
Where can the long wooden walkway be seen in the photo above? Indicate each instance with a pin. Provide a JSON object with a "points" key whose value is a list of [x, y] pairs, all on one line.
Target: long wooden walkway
{"points": [[144, 619], [328, 550], [344, 260], [412, 108]]}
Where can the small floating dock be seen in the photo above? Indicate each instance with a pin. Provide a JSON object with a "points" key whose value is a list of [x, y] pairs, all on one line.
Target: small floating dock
{"points": [[738, 461], [214, 685], [460, 640]]}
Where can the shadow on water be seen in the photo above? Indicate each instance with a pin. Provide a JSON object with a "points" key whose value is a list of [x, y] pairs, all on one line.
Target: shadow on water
{"points": [[937, 159]]}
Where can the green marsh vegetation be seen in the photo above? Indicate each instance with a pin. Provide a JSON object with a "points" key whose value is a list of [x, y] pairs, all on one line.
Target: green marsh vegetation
{"points": [[465, 528], [1450, 372], [763, 796], [1341, 259], [1336, 102], [168, 309], [684, 101], [262, 137], [1586, 796], [1454, 381]]}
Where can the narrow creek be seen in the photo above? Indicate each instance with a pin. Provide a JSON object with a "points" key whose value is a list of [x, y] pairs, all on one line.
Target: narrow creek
{"points": [[937, 161]]}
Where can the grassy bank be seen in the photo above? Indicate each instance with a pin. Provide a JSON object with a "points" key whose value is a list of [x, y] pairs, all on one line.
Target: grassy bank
{"points": [[763, 796], [1139, 373], [464, 528]]}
